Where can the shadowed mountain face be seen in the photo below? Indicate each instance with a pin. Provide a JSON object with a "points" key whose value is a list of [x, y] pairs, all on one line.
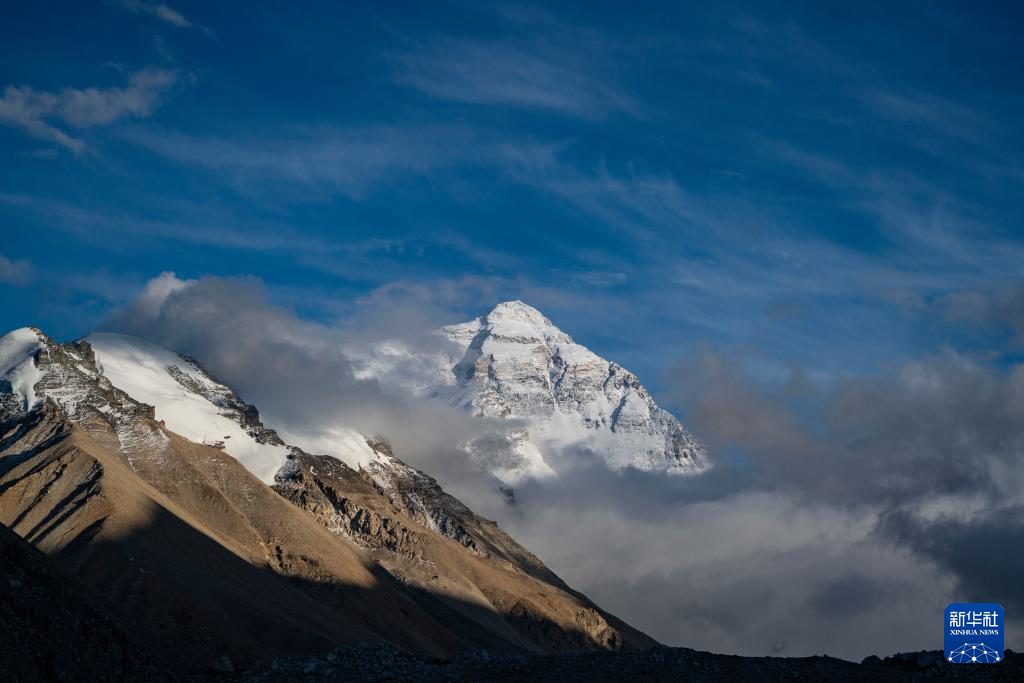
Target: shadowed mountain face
{"points": [[197, 556], [50, 631]]}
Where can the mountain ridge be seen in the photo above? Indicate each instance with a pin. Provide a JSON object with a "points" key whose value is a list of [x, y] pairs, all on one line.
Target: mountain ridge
{"points": [[182, 535]]}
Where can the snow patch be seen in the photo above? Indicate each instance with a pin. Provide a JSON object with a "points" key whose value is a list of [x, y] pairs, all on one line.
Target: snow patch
{"points": [[143, 371], [344, 443]]}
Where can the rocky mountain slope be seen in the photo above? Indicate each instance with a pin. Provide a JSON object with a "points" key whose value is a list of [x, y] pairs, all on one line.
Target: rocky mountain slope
{"points": [[514, 363], [208, 536]]}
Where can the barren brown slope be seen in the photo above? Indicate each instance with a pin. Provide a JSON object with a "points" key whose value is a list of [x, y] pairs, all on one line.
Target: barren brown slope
{"points": [[196, 555], [390, 507], [51, 631], [210, 579], [432, 542]]}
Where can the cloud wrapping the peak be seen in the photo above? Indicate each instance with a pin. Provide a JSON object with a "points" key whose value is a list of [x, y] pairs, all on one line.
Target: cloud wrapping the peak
{"points": [[838, 519], [296, 372]]}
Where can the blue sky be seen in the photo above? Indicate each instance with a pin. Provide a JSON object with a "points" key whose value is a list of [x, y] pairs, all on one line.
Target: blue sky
{"points": [[799, 224], [836, 187]]}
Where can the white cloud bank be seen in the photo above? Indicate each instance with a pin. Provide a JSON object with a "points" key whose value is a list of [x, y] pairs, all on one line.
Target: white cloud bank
{"points": [[845, 537]]}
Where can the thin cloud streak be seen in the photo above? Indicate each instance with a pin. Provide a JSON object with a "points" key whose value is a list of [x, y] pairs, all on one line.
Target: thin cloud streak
{"points": [[536, 63], [698, 243], [18, 272], [351, 163], [163, 13], [532, 76], [38, 112]]}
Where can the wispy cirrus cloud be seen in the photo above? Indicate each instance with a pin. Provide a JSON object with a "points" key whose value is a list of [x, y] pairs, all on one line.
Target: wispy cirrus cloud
{"points": [[17, 272], [194, 227], [929, 112], [42, 114], [539, 64], [930, 220], [995, 313], [676, 236], [512, 73], [349, 162], [198, 226], [159, 11]]}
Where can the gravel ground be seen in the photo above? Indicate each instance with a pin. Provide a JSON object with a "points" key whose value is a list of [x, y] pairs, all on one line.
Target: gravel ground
{"points": [[381, 663]]}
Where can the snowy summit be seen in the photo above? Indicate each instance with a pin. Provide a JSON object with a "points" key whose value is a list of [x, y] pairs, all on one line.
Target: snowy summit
{"points": [[514, 363]]}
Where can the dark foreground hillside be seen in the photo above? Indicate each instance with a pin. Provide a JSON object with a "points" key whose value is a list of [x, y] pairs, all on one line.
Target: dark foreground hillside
{"points": [[373, 663], [53, 632]]}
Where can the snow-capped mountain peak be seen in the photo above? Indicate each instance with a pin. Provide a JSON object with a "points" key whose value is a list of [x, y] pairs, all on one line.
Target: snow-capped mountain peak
{"points": [[123, 481], [511, 321], [117, 378], [189, 401], [516, 310], [193, 404], [512, 316], [515, 363]]}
